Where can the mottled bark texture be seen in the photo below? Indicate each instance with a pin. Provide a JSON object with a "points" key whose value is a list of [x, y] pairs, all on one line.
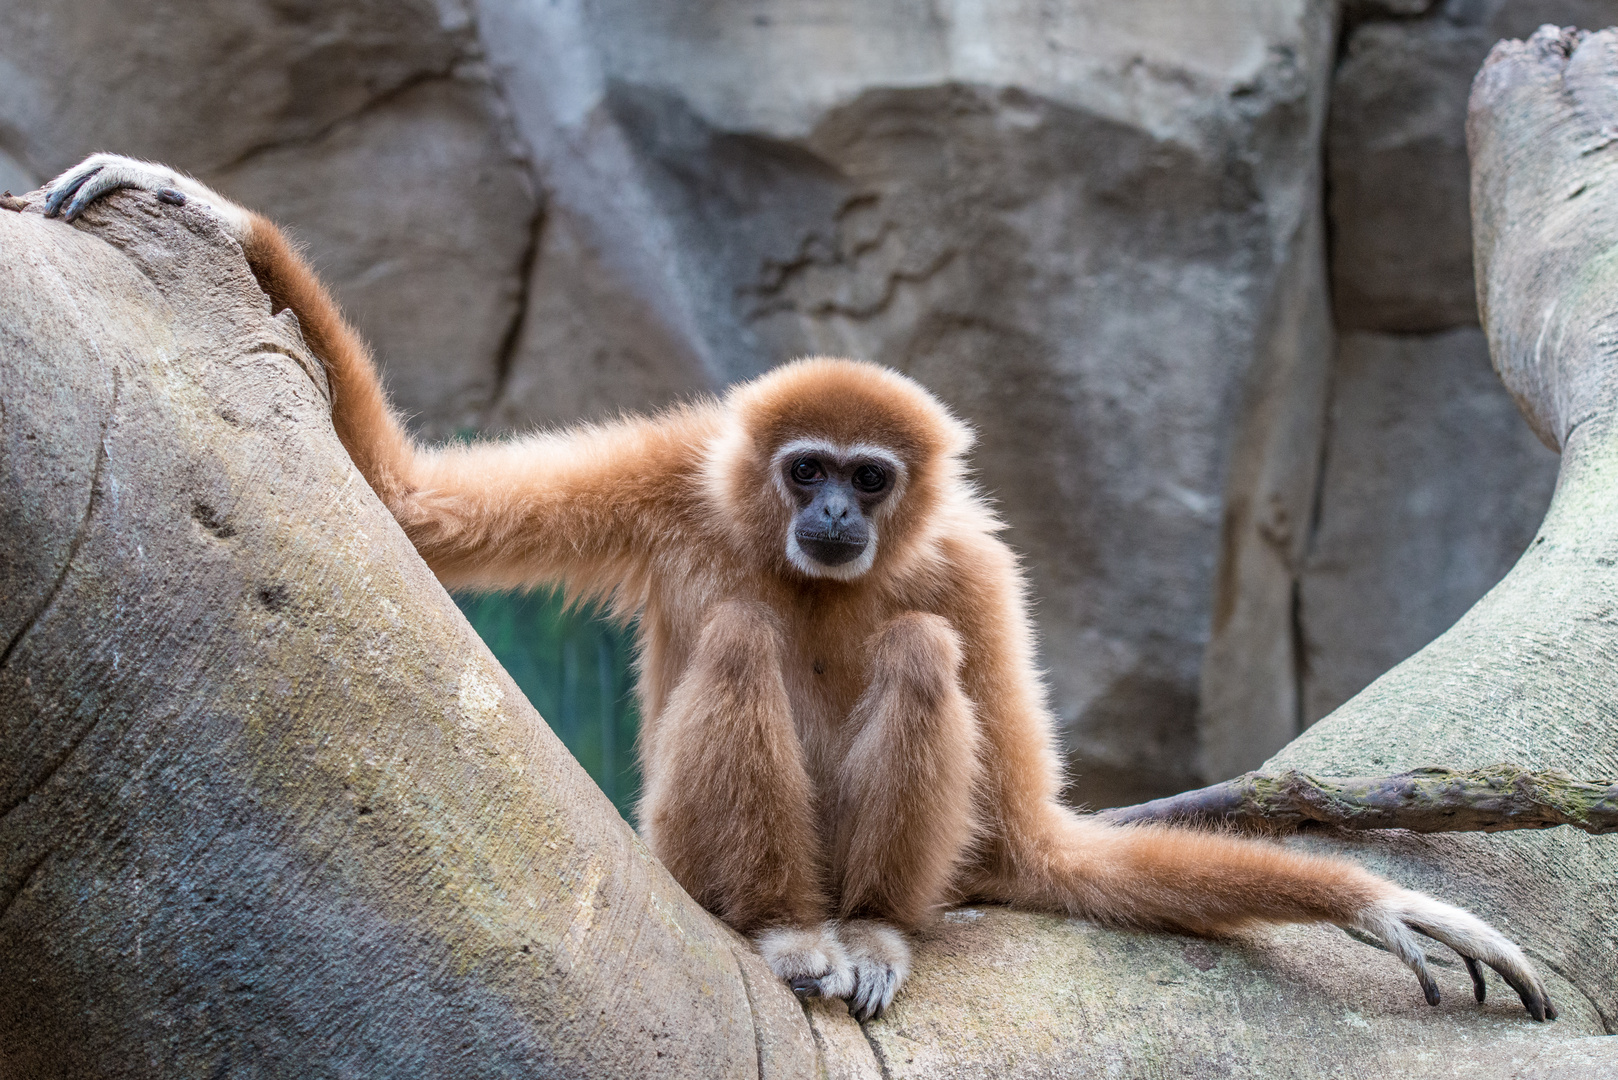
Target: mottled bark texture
{"points": [[269, 806], [1496, 799]]}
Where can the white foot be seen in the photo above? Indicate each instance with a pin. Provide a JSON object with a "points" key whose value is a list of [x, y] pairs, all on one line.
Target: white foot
{"points": [[810, 959], [881, 961]]}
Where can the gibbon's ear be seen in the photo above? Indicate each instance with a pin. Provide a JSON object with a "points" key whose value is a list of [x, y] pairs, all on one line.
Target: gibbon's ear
{"points": [[742, 494]]}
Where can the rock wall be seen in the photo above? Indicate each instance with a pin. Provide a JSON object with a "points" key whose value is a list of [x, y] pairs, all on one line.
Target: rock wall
{"points": [[1102, 232], [1431, 484]]}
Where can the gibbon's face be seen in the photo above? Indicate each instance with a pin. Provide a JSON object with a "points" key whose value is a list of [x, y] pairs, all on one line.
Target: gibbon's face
{"points": [[837, 495]]}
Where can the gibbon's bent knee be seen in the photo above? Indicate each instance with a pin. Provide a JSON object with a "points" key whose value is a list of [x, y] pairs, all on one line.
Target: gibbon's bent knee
{"points": [[746, 622], [920, 647]]}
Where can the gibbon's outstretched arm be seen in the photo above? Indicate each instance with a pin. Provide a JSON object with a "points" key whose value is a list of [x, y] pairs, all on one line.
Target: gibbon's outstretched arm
{"points": [[844, 726], [567, 509]]}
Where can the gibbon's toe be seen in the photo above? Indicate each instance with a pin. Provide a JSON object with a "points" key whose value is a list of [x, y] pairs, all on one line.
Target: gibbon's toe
{"points": [[65, 186], [811, 960], [881, 961]]}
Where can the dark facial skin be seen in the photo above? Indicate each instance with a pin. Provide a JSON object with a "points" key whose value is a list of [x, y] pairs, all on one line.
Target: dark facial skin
{"points": [[835, 498]]}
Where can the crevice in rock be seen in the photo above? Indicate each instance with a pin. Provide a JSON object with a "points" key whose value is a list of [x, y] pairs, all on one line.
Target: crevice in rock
{"points": [[50, 599], [22, 885], [876, 1050], [78, 536], [386, 97], [752, 1010], [1609, 1023], [1306, 548], [505, 357]]}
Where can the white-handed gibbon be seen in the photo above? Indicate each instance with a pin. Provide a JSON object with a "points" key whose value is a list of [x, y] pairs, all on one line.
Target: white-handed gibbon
{"points": [[844, 726]]}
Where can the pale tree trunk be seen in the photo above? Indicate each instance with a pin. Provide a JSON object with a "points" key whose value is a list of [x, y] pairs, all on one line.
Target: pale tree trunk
{"points": [[271, 809]]}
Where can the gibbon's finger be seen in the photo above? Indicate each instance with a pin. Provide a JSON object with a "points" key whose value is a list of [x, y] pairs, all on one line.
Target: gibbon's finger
{"points": [[873, 993], [1429, 987], [805, 987], [1479, 989], [880, 961], [875, 983], [103, 182], [1533, 998], [1394, 918], [62, 188]]}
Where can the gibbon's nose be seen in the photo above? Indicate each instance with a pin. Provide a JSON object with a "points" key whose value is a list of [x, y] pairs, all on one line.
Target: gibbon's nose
{"points": [[835, 510]]}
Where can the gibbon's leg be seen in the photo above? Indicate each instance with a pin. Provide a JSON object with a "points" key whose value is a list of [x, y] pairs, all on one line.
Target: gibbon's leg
{"points": [[728, 804], [1206, 883], [904, 816]]}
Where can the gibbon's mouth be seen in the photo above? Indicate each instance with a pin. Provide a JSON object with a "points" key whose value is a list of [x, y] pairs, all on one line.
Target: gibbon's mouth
{"points": [[830, 550]]}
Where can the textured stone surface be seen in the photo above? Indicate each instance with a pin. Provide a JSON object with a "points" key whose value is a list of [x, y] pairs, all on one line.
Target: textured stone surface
{"points": [[1396, 153], [418, 215], [1433, 485], [1073, 999]]}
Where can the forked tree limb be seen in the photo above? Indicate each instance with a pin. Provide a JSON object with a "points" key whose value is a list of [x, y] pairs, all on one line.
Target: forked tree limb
{"points": [[1492, 799]]}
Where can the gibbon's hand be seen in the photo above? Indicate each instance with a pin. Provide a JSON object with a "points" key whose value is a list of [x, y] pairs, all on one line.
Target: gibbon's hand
{"points": [[1395, 920], [100, 175]]}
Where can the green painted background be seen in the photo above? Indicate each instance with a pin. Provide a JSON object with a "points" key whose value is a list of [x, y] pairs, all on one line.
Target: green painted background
{"points": [[575, 667]]}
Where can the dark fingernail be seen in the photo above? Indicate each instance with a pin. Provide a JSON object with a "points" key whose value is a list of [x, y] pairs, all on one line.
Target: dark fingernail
{"points": [[170, 195], [805, 988]]}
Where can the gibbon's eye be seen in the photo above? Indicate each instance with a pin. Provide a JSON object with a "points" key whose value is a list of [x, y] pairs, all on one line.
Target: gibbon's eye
{"points": [[807, 470], [869, 478]]}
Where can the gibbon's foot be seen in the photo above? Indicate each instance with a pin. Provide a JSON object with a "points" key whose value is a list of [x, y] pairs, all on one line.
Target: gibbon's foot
{"points": [[811, 960], [1392, 919], [881, 961], [101, 174]]}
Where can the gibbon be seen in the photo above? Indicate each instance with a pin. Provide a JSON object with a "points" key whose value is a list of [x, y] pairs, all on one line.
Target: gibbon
{"points": [[844, 726]]}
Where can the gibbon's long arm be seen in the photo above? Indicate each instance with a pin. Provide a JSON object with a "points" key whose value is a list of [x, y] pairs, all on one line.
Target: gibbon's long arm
{"points": [[1044, 856], [586, 509], [1155, 877]]}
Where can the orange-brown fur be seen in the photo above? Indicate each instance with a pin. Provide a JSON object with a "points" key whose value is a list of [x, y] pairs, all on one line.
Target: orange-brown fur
{"points": [[866, 750], [879, 747]]}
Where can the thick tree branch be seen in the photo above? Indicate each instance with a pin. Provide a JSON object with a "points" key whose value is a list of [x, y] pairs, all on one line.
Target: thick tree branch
{"points": [[1492, 799]]}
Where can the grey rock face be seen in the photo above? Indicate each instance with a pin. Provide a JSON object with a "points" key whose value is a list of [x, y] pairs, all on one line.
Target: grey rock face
{"points": [[1396, 143], [420, 217], [1396, 147], [1433, 486], [365, 127]]}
